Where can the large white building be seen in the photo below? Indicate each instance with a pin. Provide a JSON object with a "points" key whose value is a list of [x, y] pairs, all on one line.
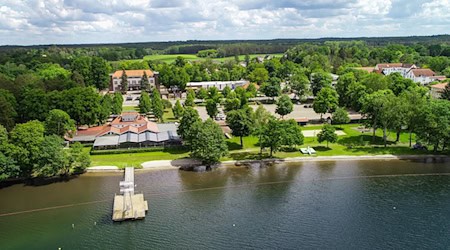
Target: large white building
{"points": [[218, 84], [134, 78], [409, 71]]}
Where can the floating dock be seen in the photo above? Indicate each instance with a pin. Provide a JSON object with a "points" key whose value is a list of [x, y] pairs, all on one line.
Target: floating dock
{"points": [[128, 205]]}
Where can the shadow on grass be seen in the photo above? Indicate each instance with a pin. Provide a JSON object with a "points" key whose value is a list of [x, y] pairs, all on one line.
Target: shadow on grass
{"points": [[363, 140], [322, 148], [233, 145], [176, 150]]}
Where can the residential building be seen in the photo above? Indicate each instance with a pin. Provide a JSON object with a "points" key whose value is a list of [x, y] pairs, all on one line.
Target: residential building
{"points": [[218, 84], [437, 89], [422, 76], [130, 130], [389, 68], [134, 78]]}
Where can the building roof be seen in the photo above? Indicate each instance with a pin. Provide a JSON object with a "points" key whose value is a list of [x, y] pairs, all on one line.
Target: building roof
{"points": [[388, 65], [440, 86], [133, 73], [248, 84], [208, 83], [423, 72], [129, 118], [368, 69]]}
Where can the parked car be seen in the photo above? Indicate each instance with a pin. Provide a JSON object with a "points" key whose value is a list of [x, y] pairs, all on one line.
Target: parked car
{"points": [[137, 98], [129, 98]]}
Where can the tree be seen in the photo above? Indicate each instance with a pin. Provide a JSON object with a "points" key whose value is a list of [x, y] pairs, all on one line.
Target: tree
{"points": [[190, 97], [144, 82], [82, 105], [202, 93], [291, 133], [8, 167], [186, 128], [259, 75], [434, 125], [226, 91], [327, 134], [326, 101], [145, 104], [177, 110], [52, 160], [33, 105], [271, 88], [124, 82], [271, 135], [214, 94], [116, 107], [284, 106], [81, 65], [27, 138], [320, 80], [209, 144], [262, 117], [242, 95], [59, 123], [251, 90], [415, 102], [240, 122], [180, 62], [299, 84], [342, 88], [374, 109], [375, 82], [398, 84], [232, 102], [446, 93], [340, 116], [99, 73], [211, 108], [77, 159], [157, 105], [355, 94], [106, 103], [8, 106]]}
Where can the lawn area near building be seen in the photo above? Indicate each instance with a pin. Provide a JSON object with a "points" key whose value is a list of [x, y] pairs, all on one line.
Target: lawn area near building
{"points": [[354, 142], [190, 57]]}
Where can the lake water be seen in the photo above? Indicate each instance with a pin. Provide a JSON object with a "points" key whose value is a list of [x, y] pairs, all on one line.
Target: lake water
{"points": [[340, 205]]}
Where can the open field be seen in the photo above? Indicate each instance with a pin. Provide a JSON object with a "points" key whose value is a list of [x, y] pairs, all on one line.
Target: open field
{"points": [[190, 57], [352, 143]]}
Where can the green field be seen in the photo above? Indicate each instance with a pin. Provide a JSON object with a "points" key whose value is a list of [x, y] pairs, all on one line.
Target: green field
{"points": [[171, 58], [353, 143]]}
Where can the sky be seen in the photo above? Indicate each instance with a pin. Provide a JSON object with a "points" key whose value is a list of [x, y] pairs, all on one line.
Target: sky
{"points": [[28, 22]]}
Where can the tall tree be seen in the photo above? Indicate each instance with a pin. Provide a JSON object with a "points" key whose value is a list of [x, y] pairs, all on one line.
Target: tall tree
{"points": [[157, 105], [116, 107], [209, 145], [272, 87], [340, 116], [8, 106], [291, 133], [124, 82], [145, 104], [271, 136], [59, 123], [211, 108], [446, 93], [284, 106], [99, 72], [259, 75], [342, 88], [190, 97], [177, 110], [326, 101], [320, 80], [299, 85], [434, 125], [327, 134], [241, 122], [145, 85], [186, 128], [52, 159]]}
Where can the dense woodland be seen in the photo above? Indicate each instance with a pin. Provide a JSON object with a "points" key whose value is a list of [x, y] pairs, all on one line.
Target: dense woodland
{"points": [[63, 83]]}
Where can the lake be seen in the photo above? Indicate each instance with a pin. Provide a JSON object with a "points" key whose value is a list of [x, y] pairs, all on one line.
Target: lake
{"points": [[375, 204]]}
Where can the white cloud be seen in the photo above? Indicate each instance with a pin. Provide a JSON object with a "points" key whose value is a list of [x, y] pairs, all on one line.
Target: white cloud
{"points": [[86, 21]]}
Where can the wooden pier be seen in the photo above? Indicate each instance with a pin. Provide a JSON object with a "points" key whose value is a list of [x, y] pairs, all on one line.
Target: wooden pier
{"points": [[128, 205]]}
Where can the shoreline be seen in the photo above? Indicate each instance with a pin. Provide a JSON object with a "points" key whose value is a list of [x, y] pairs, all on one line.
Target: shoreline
{"points": [[176, 164]]}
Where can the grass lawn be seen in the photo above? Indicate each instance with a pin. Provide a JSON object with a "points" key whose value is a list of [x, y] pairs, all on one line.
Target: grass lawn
{"points": [[130, 108], [353, 143], [190, 57]]}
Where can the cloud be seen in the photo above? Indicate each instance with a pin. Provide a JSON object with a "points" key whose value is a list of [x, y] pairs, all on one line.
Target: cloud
{"points": [[88, 21]]}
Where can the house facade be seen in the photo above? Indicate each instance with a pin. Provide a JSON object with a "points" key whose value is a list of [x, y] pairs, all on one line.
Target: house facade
{"points": [[130, 130], [437, 90], [389, 68], [218, 84], [409, 71], [134, 78]]}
